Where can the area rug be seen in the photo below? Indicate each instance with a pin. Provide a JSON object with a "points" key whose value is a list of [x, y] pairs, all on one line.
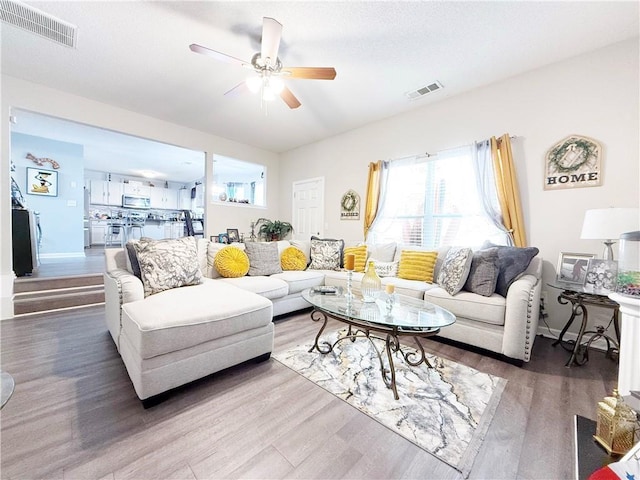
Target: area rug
{"points": [[446, 410]]}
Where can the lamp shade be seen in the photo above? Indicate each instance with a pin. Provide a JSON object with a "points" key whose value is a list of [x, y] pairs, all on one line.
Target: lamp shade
{"points": [[609, 223]]}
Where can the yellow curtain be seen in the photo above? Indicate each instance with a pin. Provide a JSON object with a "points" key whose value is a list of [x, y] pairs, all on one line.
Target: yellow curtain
{"points": [[507, 186], [373, 195]]}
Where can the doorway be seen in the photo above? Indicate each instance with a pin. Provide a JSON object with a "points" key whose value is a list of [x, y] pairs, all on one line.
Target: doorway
{"points": [[80, 155]]}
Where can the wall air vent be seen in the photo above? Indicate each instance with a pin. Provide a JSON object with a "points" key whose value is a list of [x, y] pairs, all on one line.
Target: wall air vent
{"points": [[422, 91], [36, 21]]}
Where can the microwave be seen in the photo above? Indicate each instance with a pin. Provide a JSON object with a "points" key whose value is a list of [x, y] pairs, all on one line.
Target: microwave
{"points": [[135, 201]]}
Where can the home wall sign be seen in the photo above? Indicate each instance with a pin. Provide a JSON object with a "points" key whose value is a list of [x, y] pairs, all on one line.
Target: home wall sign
{"points": [[41, 161], [573, 162], [350, 206]]}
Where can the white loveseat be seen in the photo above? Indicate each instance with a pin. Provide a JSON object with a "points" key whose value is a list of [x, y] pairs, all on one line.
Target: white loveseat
{"points": [[182, 334]]}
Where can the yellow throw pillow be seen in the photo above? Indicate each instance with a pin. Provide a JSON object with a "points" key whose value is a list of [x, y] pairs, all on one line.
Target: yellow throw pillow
{"points": [[417, 265], [231, 262], [293, 258], [360, 254]]}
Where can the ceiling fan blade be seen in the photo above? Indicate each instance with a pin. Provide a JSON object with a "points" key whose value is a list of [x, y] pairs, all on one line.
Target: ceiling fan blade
{"points": [[271, 34], [289, 98], [311, 73], [223, 57], [238, 90]]}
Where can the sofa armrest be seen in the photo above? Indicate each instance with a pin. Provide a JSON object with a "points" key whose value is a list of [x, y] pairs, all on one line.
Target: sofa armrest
{"points": [[120, 287], [521, 317]]}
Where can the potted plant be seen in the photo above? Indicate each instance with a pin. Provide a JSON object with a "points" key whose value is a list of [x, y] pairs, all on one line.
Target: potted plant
{"points": [[273, 230]]}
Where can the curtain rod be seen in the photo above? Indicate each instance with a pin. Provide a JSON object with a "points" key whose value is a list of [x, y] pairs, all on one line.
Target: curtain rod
{"points": [[427, 154]]}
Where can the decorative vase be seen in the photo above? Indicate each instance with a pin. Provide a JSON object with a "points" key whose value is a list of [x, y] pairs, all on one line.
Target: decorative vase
{"points": [[370, 286]]}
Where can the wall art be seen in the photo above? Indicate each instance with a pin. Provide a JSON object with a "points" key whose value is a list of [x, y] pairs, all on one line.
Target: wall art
{"points": [[573, 162], [350, 206], [42, 182]]}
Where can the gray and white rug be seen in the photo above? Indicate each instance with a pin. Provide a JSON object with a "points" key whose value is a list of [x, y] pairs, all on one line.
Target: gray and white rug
{"points": [[445, 410]]}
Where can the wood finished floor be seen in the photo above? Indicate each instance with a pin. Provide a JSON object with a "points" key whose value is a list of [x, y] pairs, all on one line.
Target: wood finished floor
{"points": [[74, 415]]}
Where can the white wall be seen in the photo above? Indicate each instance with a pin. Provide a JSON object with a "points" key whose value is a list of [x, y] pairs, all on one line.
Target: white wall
{"points": [[30, 96], [595, 95]]}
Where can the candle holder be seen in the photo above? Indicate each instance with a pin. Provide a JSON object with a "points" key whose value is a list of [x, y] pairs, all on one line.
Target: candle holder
{"points": [[349, 294]]}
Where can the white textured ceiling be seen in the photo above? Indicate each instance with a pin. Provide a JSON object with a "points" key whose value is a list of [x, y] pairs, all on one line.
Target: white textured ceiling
{"points": [[135, 55]]}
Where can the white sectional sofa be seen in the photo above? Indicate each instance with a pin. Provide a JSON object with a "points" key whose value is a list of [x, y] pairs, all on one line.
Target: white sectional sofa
{"points": [[176, 336]]}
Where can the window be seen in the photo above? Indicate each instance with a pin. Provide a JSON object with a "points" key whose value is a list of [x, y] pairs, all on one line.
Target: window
{"points": [[238, 182], [434, 201]]}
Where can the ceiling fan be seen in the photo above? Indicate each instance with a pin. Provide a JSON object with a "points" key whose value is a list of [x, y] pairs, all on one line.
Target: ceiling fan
{"points": [[269, 67]]}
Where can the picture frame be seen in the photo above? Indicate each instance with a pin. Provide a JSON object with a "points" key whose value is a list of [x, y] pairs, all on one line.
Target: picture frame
{"points": [[572, 267], [601, 275], [213, 238], [233, 235], [223, 238], [42, 182]]}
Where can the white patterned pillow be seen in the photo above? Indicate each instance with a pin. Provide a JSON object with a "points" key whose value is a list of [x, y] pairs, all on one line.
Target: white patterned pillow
{"points": [[455, 269], [167, 264], [263, 258], [326, 254], [385, 269]]}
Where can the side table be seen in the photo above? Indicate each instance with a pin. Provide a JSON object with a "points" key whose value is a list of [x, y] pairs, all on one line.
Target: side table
{"points": [[580, 298]]}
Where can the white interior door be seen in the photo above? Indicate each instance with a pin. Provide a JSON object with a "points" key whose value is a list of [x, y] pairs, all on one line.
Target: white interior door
{"points": [[308, 208]]}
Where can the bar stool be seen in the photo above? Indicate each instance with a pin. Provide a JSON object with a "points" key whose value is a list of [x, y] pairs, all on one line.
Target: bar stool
{"points": [[135, 224], [115, 233]]}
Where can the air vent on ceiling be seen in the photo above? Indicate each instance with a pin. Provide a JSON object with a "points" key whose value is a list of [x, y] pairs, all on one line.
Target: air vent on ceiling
{"points": [[420, 92], [36, 21]]}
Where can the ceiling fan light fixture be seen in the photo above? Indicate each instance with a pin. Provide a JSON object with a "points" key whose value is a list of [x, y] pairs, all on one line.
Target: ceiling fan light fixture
{"points": [[254, 84], [276, 85]]}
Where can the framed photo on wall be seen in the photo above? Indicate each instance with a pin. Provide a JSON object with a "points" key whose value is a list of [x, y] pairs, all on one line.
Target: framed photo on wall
{"points": [[601, 275], [42, 182], [572, 267]]}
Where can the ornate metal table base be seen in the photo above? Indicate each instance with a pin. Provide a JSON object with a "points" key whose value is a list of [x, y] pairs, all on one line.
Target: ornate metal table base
{"points": [[392, 344], [580, 349]]}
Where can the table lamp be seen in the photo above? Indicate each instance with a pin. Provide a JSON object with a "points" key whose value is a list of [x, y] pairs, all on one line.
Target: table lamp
{"points": [[608, 224]]}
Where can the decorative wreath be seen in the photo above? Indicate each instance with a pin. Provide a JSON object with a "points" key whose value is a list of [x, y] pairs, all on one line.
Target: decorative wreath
{"points": [[589, 150], [349, 201]]}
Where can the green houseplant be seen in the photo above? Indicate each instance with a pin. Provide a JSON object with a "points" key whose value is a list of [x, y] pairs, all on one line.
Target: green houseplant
{"points": [[273, 230]]}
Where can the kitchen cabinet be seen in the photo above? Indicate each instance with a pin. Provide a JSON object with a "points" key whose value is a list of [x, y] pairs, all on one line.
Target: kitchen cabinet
{"points": [[164, 198], [184, 199], [135, 188], [199, 201], [174, 229], [98, 231], [105, 193]]}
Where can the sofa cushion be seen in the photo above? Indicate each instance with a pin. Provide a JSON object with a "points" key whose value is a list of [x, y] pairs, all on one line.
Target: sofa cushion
{"points": [[301, 280], [384, 252], [231, 262], [132, 259], [512, 261], [304, 245], [180, 318], [417, 265], [410, 288], [326, 254], [360, 257], [293, 258], [268, 287], [167, 264], [455, 269], [470, 305], [483, 274], [263, 258]]}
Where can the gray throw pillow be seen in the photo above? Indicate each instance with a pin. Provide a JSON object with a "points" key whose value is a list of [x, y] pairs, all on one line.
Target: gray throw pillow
{"points": [[263, 258], [455, 269], [483, 274], [326, 254], [167, 264], [512, 261], [133, 258]]}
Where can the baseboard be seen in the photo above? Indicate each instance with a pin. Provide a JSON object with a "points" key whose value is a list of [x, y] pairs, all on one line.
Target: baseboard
{"points": [[62, 255]]}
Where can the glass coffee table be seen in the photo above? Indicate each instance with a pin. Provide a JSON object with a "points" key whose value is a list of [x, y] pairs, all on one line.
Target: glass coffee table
{"points": [[382, 320]]}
